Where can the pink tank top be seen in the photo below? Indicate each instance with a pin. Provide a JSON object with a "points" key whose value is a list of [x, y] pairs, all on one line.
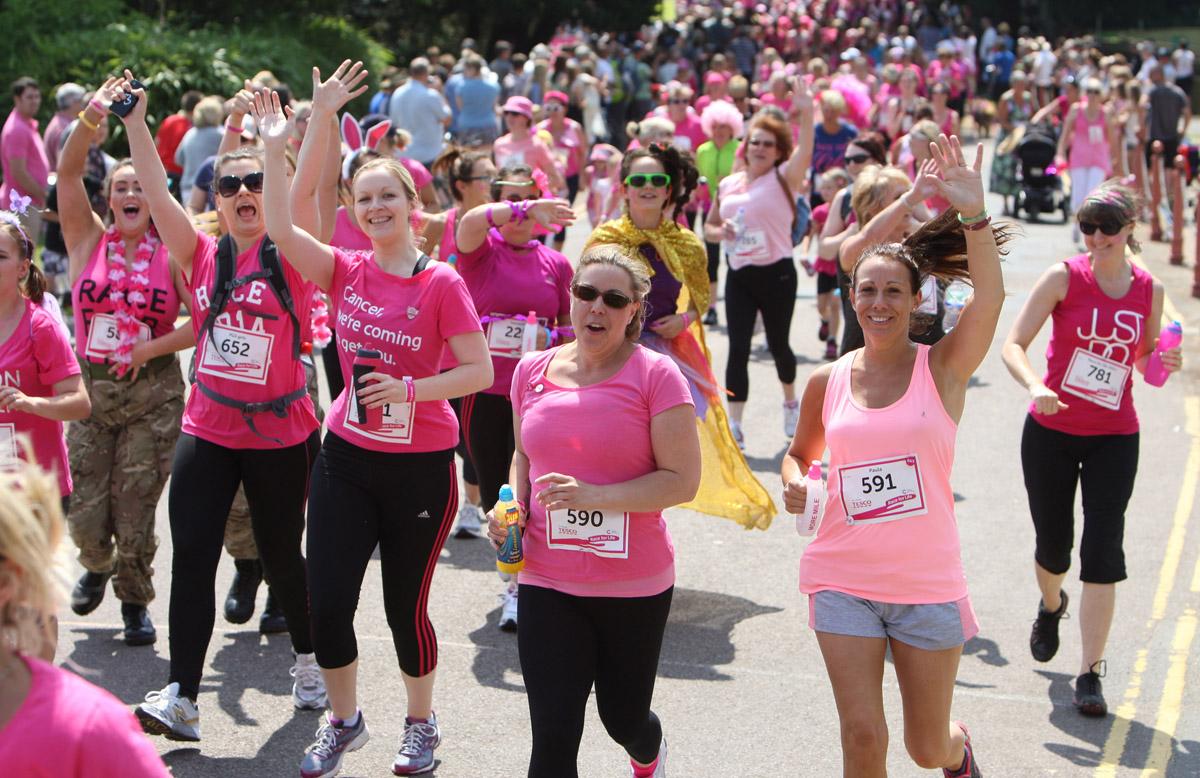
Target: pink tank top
{"points": [[766, 235], [346, 235], [889, 532], [1088, 145], [448, 247], [95, 326], [1094, 342]]}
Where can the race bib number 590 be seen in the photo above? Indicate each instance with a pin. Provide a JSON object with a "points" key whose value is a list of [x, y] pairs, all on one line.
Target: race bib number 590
{"points": [[603, 533]]}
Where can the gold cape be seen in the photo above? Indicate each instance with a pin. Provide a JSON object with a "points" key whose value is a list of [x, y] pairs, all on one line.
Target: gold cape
{"points": [[679, 249]]}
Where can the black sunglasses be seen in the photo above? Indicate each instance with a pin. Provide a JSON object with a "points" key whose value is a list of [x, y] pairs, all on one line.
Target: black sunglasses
{"points": [[856, 159], [1109, 228], [229, 186], [656, 180], [766, 143], [612, 298]]}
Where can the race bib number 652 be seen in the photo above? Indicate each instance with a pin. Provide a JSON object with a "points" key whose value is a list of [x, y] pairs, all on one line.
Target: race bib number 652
{"points": [[237, 354]]}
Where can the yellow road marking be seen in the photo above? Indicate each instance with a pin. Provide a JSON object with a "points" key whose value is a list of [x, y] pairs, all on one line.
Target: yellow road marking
{"points": [[1124, 714], [1172, 697]]}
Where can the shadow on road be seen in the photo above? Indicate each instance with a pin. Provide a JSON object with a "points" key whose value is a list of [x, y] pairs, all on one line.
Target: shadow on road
{"points": [[280, 754], [126, 672], [244, 660], [468, 554], [1185, 754], [985, 650]]}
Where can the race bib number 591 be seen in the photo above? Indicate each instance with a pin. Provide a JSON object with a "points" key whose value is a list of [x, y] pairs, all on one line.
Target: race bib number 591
{"points": [[882, 490]]}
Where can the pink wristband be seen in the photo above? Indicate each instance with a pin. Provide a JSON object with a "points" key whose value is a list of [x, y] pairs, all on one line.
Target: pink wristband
{"points": [[410, 390], [231, 128], [687, 319], [491, 221], [514, 212], [99, 106]]}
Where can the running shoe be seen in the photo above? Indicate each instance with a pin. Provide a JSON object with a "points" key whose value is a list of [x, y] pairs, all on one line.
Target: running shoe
{"points": [[968, 769], [308, 688], [334, 740], [710, 318], [738, 437], [660, 764], [508, 611], [166, 712], [470, 521], [1043, 640], [823, 331], [1089, 697], [89, 592], [808, 266], [421, 736], [791, 417], [831, 349]]}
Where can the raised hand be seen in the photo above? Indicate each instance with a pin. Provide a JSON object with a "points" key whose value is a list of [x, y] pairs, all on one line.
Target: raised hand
{"points": [[244, 99], [125, 86], [958, 183], [107, 92], [925, 185], [273, 126], [547, 212], [344, 85]]}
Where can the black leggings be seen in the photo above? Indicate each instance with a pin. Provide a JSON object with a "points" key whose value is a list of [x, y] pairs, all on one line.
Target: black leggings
{"points": [[713, 250], [405, 503], [468, 469], [566, 644], [488, 424], [204, 481], [1105, 466], [771, 290]]}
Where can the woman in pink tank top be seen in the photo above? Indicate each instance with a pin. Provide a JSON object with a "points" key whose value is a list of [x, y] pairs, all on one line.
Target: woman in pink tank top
{"points": [[126, 293], [1082, 427], [884, 568], [1086, 132]]}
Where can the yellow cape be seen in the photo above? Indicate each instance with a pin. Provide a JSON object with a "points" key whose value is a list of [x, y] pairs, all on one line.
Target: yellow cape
{"points": [[728, 488]]}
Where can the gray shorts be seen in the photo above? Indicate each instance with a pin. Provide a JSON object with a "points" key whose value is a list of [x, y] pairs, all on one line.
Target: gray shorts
{"points": [[931, 627]]}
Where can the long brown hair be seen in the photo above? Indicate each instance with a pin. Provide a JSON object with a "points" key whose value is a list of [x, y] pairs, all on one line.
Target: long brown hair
{"points": [[34, 284]]}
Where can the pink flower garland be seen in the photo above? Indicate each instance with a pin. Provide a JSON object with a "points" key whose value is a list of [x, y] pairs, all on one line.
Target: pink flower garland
{"points": [[320, 322], [129, 286]]}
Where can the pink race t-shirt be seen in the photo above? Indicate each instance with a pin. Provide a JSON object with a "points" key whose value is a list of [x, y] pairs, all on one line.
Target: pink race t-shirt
{"points": [[420, 174], [20, 140], [531, 151], [507, 282], [409, 321], [347, 235], [252, 360], [567, 143], [599, 434], [68, 728], [766, 235], [33, 359]]}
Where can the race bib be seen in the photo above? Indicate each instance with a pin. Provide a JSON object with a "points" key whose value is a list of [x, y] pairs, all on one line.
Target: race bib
{"points": [[8, 446], [395, 427], [1095, 134], [1096, 379], [504, 336], [103, 336], [751, 244], [237, 354], [882, 490], [603, 533], [511, 160]]}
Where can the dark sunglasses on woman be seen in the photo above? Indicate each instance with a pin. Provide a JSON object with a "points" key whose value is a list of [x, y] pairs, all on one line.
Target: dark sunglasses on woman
{"points": [[639, 180], [856, 159], [612, 298], [229, 186], [1109, 228]]}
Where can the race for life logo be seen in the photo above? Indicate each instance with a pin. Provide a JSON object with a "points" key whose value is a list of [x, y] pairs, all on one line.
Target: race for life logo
{"points": [[1120, 339]]}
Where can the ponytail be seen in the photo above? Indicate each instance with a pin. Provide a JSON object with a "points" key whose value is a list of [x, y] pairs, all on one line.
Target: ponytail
{"points": [[35, 284]]}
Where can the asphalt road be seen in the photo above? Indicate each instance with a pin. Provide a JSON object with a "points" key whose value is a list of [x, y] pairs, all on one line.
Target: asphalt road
{"points": [[742, 690]]}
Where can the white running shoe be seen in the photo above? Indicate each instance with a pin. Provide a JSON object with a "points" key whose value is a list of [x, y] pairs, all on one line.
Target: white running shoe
{"points": [[166, 712], [660, 767], [308, 690], [470, 521], [791, 417], [508, 612], [738, 437]]}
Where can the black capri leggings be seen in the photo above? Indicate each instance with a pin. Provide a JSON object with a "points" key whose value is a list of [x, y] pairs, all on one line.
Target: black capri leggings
{"points": [[713, 250], [405, 503], [204, 481], [488, 423], [771, 290], [468, 471], [566, 644], [1105, 466]]}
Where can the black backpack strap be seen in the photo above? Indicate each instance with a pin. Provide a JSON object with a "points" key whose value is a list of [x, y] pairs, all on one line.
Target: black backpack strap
{"points": [[278, 406], [226, 267], [422, 263], [268, 257]]}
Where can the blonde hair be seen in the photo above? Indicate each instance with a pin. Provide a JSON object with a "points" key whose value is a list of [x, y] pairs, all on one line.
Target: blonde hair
{"points": [[208, 112], [639, 278], [833, 101], [31, 528], [873, 189]]}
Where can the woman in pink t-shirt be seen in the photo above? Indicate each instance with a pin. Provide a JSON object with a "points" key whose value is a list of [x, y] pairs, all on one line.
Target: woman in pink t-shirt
{"points": [[885, 569], [1082, 427], [606, 440], [132, 376], [248, 420], [53, 724], [388, 457]]}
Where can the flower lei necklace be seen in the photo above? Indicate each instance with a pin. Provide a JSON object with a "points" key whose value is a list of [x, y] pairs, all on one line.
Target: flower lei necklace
{"points": [[129, 287]]}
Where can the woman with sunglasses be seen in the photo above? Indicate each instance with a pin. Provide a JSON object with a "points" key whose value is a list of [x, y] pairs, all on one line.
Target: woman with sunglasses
{"points": [[753, 215], [1087, 132], [266, 443], [946, 118], [569, 149], [522, 146], [1082, 426], [121, 454], [509, 273], [885, 572], [593, 611], [388, 457], [657, 179]]}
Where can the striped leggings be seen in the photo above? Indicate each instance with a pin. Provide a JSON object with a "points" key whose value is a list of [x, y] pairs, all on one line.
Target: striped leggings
{"points": [[405, 503]]}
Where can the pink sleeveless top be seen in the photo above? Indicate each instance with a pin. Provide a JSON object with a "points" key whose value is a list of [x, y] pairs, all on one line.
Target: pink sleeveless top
{"points": [[1088, 146], [889, 532], [448, 247], [346, 235], [1093, 345], [90, 299], [766, 235]]}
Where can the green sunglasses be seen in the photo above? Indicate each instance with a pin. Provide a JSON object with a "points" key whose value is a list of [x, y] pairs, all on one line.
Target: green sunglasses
{"points": [[639, 180]]}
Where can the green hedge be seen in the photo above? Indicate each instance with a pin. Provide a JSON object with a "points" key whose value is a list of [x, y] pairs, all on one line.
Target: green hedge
{"points": [[86, 40]]}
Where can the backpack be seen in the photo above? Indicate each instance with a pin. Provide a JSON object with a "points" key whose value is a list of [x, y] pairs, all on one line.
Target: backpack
{"points": [[801, 211]]}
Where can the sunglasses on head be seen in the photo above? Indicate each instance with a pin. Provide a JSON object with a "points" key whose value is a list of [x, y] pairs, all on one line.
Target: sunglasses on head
{"points": [[613, 298], [1109, 228], [856, 159], [229, 186], [656, 180]]}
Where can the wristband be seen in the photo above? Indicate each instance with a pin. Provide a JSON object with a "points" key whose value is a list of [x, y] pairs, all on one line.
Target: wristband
{"points": [[514, 213], [410, 390], [491, 221], [687, 319], [99, 106], [86, 122], [523, 210], [236, 130], [981, 216], [550, 337], [979, 225]]}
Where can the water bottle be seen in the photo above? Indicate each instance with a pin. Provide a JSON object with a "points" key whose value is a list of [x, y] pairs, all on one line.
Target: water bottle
{"points": [[529, 336], [814, 502], [1156, 374], [739, 225], [957, 294], [365, 361], [511, 556]]}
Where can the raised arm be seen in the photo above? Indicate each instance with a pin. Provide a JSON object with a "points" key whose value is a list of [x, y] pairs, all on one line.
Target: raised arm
{"points": [[231, 140], [172, 222], [311, 258], [795, 169], [886, 221], [81, 227], [474, 224]]}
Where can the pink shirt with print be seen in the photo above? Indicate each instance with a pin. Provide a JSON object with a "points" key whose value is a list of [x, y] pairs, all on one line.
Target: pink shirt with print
{"points": [[531, 151]]}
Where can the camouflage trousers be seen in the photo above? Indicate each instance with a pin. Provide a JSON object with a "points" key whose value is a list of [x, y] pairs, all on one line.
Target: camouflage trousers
{"points": [[239, 539], [120, 460]]}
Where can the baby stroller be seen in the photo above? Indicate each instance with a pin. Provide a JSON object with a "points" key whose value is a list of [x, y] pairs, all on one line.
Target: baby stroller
{"points": [[1041, 186]]}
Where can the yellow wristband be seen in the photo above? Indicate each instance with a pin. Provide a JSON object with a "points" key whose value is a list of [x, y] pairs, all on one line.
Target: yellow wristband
{"points": [[91, 125]]}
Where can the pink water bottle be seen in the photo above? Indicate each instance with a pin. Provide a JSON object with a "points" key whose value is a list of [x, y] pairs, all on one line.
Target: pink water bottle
{"points": [[1156, 373], [365, 361]]}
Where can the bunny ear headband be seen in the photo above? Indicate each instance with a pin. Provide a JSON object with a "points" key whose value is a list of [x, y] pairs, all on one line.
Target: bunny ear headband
{"points": [[352, 137], [18, 206]]}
